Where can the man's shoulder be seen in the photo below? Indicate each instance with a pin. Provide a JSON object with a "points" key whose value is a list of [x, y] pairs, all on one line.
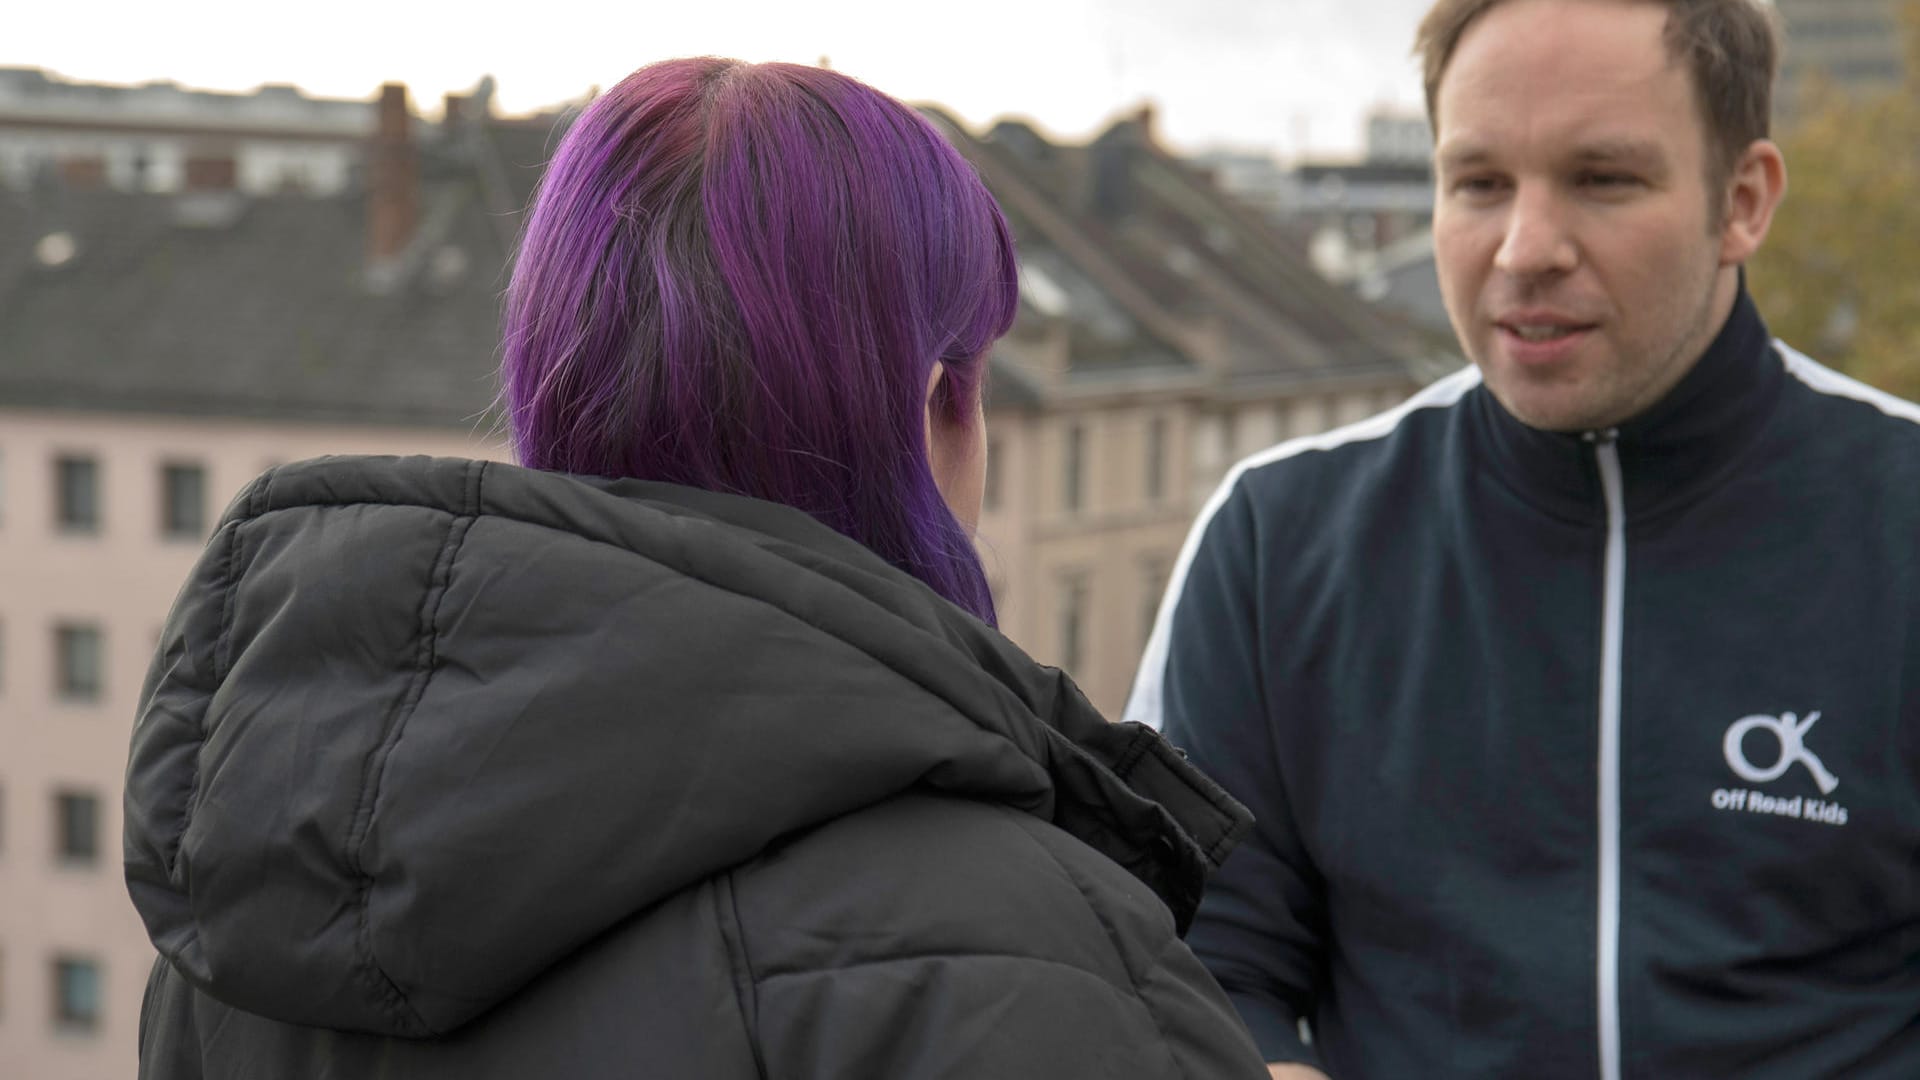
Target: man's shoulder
{"points": [[1884, 414]]}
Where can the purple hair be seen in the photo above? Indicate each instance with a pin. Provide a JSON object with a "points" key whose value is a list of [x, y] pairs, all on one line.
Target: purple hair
{"points": [[739, 277]]}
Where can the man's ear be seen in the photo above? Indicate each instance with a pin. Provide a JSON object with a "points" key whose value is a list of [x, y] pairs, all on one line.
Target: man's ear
{"points": [[1754, 191]]}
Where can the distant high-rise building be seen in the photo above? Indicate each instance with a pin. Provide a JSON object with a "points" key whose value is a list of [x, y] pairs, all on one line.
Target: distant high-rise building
{"points": [[1398, 136], [1856, 45]]}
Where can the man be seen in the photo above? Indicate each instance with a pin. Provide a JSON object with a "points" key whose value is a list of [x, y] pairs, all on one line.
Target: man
{"points": [[1578, 700]]}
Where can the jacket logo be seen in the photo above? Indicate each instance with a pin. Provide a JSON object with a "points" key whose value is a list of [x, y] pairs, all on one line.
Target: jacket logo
{"points": [[1791, 734]]}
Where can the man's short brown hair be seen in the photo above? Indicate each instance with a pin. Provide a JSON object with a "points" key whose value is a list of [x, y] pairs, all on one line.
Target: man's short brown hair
{"points": [[1731, 48]]}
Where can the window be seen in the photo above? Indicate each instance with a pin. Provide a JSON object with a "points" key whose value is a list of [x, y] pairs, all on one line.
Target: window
{"points": [[77, 494], [183, 502], [76, 993], [77, 660], [1073, 622], [1857, 69], [1352, 408], [990, 495], [1153, 582], [1073, 495], [1282, 422], [1310, 416], [1156, 459], [76, 822]]}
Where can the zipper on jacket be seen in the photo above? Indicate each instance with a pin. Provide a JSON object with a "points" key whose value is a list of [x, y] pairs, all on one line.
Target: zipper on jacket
{"points": [[1607, 955]]}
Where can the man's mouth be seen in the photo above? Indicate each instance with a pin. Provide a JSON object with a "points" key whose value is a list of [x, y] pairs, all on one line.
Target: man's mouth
{"points": [[1541, 326], [1541, 333]]}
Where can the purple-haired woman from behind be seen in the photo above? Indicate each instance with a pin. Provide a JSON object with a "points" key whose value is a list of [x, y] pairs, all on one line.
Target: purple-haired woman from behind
{"points": [[686, 749]]}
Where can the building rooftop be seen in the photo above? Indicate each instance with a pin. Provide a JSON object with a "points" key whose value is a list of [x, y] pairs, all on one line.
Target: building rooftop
{"points": [[1208, 283], [220, 303]]}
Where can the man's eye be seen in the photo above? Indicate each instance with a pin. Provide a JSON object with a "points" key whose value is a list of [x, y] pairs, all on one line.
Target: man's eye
{"points": [[1476, 185], [1610, 180]]}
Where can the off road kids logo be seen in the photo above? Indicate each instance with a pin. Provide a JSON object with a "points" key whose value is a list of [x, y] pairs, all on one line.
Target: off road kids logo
{"points": [[1789, 733]]}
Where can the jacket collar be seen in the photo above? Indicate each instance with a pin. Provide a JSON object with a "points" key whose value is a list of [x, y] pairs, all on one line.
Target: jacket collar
{"points": [[1669, 453]]}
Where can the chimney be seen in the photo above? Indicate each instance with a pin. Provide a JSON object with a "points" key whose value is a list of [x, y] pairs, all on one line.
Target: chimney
{"points": [[1108, 189], [1110, 173], [453, 112], [1146, 118], [393, 178]]}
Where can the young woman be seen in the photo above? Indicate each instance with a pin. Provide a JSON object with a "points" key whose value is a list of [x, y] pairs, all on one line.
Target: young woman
{"points": [[686, 750]]}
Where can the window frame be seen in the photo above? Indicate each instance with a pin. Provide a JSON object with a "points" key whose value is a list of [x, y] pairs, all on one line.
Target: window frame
{"points": [[68, 689], [172, 527], [85, 1021], [1156, 450], [71, 846], [1073, 467], [67, 516]]}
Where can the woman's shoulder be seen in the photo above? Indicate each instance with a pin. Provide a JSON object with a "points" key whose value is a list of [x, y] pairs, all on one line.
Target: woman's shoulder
{"points": [[924, 874], [936, 935]]}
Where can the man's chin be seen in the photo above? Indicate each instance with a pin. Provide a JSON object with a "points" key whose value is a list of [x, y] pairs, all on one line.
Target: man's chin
{"points": [[1560, 409]]}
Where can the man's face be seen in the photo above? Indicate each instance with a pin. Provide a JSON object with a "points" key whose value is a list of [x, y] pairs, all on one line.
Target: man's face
{"points": [[1577, 243]]}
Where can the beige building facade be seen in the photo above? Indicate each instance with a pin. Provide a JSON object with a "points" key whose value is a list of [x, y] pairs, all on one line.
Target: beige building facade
{"points": [[1091, 502]]}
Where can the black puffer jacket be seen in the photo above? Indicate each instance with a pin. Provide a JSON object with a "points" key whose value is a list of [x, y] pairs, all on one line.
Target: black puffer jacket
{"points": [[453, 769]]}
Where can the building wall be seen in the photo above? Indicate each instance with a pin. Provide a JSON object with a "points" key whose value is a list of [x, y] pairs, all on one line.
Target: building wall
{"points": [[1855, 44], [1398, 135], [32, 94], [121, 579], [140, 138], [157, 162], [1096, 573]]}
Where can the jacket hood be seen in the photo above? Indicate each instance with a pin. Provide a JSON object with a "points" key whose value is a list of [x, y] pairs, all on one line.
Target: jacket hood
{"points": [[418, 728]]}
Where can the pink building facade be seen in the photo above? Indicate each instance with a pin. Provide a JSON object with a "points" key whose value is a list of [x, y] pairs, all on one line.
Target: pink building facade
{"points": [[81, 606]]}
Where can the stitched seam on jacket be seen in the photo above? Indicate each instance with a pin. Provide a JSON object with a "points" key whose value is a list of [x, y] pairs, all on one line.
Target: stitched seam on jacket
{"points": [[1026, 824], [948, 954], [733, 935], [425, 663], [229, 592], [1136, 748]]}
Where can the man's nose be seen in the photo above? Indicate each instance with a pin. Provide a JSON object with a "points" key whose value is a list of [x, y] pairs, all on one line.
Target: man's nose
{"points": [[1537, 241]]}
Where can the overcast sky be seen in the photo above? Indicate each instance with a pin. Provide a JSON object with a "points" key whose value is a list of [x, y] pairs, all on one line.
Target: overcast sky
{"points": [[1264, 74]]}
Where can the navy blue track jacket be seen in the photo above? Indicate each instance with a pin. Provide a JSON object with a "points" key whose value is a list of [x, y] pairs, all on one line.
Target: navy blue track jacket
{"points": [[1571, 756]]}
